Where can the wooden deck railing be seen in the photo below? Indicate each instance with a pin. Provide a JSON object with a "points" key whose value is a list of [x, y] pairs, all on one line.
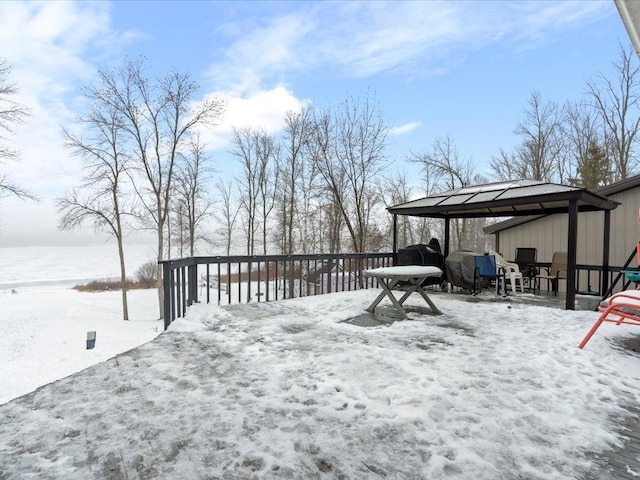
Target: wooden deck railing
{"points": [[243, 279]]}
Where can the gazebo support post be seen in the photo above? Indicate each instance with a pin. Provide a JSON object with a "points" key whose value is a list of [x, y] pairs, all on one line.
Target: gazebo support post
{"points": [[572, 245], [447, 235], [395, 239], [605, 251]]}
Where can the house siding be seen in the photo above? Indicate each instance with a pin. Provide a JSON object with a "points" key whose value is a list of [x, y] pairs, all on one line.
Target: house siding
{"points": [[549, 234]]}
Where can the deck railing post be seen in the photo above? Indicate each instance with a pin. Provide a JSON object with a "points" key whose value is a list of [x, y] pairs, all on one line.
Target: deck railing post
{"points": [[167, 294], [192, 273]]}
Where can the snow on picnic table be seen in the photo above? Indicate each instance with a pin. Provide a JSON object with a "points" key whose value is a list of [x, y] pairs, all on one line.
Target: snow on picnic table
{"points": [[287, 390]]}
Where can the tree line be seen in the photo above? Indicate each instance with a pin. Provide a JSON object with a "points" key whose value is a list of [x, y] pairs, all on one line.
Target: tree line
{"points": [[329, 168], [320, 185]]}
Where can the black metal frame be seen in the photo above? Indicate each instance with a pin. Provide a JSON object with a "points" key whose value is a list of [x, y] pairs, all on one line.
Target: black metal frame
{"points": [[283, 276]]}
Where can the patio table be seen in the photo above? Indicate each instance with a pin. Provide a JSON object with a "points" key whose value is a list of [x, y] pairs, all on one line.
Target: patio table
{"points": [[389, 277]]}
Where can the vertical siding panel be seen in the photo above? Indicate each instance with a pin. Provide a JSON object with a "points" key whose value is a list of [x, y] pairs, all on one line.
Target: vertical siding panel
{"points": [[549, 234]]}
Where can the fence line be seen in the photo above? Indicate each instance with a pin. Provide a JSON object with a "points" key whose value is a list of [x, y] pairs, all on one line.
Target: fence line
{"points": [[236, 279]]}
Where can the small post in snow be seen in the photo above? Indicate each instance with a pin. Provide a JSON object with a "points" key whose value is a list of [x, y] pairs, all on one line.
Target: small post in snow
{"points": [[91, 340]]}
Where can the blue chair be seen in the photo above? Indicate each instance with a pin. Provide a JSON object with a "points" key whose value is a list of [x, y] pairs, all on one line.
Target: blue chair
{"points": [[485, 268]]}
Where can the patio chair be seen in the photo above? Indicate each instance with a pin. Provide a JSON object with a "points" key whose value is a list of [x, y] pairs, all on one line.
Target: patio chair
{"points": [[486, 268], [526, 258], [621, 308], [556, 272], [511, 270]]}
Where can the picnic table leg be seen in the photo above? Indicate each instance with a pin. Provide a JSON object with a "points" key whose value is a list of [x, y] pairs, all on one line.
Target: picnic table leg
{"points": [[386, 290], [416, 286], [424, 295], [375, 303], [407, 294]]}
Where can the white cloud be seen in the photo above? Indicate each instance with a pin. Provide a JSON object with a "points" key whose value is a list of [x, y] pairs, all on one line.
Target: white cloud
{"points": [[424, 36], [263, 109], [261, 51], [45, 41], [360, 39], [406, 128], [50, 47]]}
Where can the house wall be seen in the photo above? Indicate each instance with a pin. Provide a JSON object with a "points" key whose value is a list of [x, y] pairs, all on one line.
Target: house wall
{"points": [[549, 234]]}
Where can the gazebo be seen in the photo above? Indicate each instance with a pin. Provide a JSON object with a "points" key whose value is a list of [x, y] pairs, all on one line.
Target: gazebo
{"points": [[516, 198]]}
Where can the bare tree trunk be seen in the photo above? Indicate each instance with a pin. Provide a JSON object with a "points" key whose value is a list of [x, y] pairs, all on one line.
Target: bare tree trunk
{"points": [[228, 212], [159, 279], [123, 281], [103, 173]]}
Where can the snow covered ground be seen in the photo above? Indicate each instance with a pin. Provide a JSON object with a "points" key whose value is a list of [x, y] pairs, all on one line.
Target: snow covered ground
{"points": [[43, 327], [488, 390], [43, 333]]}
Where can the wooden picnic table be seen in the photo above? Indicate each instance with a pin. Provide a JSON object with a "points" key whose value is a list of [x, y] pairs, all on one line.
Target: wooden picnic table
{"points": [[389, 277]]}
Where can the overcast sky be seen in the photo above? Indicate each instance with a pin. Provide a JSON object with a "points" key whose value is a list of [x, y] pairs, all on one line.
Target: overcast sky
{"points": [[464, 69]]}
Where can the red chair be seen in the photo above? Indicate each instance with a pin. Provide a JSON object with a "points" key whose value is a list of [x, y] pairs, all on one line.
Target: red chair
{"points": [[621, 308]]}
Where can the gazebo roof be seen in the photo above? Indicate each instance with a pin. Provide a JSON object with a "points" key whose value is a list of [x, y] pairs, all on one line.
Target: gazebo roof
{"points": [[510, 198]]}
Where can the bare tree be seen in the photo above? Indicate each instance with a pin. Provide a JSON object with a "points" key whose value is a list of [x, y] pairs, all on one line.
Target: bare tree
{"points": [[540, 153], [584, 134], [158, 116], [617, 101], [227, 213], [191, 203], [258, 153], [100, 198], [398, 189], [332, 211], [308, 209], [267, 154], [244, 146], [449, 171], [298, 193], [505, 166], [348, 149], [541, 140], [11, 113], [291, 167]]}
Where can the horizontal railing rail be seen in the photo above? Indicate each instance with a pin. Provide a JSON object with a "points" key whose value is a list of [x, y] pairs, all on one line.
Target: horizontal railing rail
{"points": [[241, 279]]}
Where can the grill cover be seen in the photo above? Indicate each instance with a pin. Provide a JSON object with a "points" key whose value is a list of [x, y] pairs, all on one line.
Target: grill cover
{"points": [[460, 267]]}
